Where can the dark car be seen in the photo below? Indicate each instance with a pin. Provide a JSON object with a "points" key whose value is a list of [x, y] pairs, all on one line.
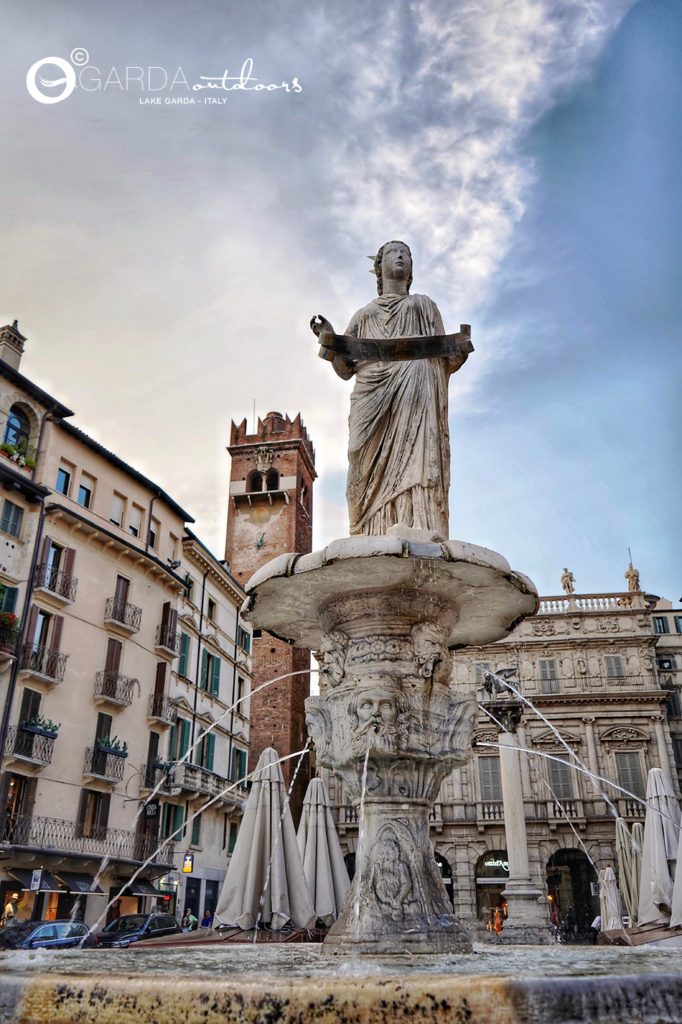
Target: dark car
{"points": [[136, 928], [46, 935]]}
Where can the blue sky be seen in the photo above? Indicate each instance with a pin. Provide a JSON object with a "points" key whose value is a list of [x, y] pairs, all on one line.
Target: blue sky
{"points": [[164, 261]]}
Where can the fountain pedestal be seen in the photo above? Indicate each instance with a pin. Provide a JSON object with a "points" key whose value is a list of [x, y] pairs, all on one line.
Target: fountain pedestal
{"points": [[384, 615]]}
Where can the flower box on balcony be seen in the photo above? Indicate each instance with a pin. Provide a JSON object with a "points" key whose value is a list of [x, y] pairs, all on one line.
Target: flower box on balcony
{"points": [[112, 746], [40, 726], [110, 750]]}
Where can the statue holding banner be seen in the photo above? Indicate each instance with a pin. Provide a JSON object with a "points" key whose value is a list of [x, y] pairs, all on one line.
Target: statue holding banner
{"points": [[399, 445]]}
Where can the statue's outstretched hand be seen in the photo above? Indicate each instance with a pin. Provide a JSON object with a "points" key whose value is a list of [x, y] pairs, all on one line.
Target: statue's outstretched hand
{"points": [[319, 325]]}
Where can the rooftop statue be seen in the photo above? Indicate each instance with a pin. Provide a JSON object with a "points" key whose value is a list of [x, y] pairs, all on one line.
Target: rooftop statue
{"points": [[399, 444]]}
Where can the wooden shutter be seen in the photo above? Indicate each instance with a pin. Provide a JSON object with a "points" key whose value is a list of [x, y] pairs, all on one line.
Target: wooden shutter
{"points": [[215, 675], [45, 549], [561, 780], [102, 815], [32, 625], [173, 620], [153, 748], [122, 587], [489, 777], [30, 705], [160, 682], [203, 679], [172, 741], [104, 723], [69, 561], [184, 737], [82, 811], [165, 613], [209, 751], [56, 635], [630, 772], [184, 654], [27, 797], [113, 660]]}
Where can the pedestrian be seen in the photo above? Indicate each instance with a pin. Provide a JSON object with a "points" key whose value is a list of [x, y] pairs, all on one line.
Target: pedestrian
{"points": [[498, 919], [595, 928], [9, 914], [207, 919], [189, 921]]}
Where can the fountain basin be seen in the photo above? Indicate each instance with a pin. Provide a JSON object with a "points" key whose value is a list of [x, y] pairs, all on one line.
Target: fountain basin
{"points": [[510, 985]]}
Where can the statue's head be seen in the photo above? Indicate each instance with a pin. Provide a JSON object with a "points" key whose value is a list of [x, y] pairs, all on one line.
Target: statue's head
{"points": [[393, 259]]}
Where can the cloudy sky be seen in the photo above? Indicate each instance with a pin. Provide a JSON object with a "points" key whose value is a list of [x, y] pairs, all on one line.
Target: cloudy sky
{"points": [[164, 259]]}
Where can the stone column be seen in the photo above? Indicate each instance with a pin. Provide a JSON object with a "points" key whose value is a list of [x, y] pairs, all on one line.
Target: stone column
{"points": [[527, 920], [663, 748], [593, 761]]}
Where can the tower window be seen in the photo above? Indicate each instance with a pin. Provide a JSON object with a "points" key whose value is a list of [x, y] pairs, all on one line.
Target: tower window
{"points": [[255, 482], [18, 428], [272, 480]]}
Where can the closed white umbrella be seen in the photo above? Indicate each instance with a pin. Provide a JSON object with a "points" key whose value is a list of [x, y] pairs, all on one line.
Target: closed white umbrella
{"points": [[637, 848], [265, 879], [323, 862], [661, 840], [628, 879], [609, 901], [676, 907]]}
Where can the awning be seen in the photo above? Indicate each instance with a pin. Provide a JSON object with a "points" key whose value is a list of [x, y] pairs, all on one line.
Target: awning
{"points": [[48, 883], [141, 887], [75, 882]]}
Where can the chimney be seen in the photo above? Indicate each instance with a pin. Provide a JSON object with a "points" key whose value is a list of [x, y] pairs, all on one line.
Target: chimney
{"points": [[11, 344]]}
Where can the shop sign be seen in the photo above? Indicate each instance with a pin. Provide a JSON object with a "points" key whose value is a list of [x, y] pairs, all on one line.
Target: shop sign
{"points": [[188, 864], [152, 809], [36, 879]]}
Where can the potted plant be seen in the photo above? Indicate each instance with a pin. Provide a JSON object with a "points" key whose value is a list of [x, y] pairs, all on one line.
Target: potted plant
{"points": [[21, 454], [42, 727], [9, 631], [112, 745]]}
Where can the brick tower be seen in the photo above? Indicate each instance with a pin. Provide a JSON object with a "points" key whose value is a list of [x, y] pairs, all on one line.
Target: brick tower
{"points": [[270, 511]]}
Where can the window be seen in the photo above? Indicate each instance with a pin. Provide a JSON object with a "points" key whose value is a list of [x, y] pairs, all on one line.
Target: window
{"points": [[240, 695], [18, 428], [272, 480], [489, 778], [86, 489], [153, 533], [561, 779], [172, 547], [196, 831], [135, 521], [614, 666], [8, 599], [630, 776], [93, 814], [63, 484], [678, 623], [183, 664], [189, 588], [673, 709], [118, 509], [206, 751], [210, 673], [211, 613], [234, 832], [666, 663], [12, 515], [244, 639], [677, 750], [239, 769], [173, 819], [179, 739], [480, 669], [549, 682], [661, 624], [255, 482], [30, 705]]}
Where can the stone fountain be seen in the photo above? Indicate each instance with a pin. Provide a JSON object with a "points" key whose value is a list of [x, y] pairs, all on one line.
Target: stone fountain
{"points": [[385, 608]]}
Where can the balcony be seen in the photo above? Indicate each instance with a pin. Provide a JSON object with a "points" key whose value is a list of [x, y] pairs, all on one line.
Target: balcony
{"points": [[9, 636], [196, 781], [154, 775], [43, 664], [122, 616], [565, 810], [161, 710], [55, 835], [59, 586], [167, 640], [25, 745], [631, 809], [103, 765], [114, 690], [489, 812]]}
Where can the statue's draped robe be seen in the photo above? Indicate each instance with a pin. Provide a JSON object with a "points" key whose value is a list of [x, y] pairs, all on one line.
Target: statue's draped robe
{"points": [[399, 447]]}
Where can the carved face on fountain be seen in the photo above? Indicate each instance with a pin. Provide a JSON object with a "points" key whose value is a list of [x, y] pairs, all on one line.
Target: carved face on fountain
{"points": [[379, 719]]}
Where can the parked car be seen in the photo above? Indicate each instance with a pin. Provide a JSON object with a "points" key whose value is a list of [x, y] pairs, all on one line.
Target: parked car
{"points": [[46, 935], [137, 927]]}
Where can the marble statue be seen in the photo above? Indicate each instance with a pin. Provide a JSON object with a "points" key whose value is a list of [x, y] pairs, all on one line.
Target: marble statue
{"points": [[568, 582], [632, 576], [399, 444]]}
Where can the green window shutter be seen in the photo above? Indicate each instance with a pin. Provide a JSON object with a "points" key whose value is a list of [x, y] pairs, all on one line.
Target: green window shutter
{"points": [[209, 751], [203, 683], [184, 654], [184, 737], [215, 676], [196, 831], [178, 818], [234, 831], [173, 739]]}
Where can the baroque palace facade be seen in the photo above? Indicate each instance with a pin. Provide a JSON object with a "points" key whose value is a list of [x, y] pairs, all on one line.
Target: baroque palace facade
{"points": [[120, 649], [601, 669]]}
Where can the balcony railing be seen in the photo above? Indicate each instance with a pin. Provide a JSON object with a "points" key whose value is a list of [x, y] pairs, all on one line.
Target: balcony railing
{"points": [[490, 810], [168, 638], [628, 808], [60, 583], [57, 835], [41, 661], [348, 815], [103, 765], [562, 809], [195, 779], [561, 603], [30, 746], [123, 614], [153, 776], [116, 689], [161, 708]]}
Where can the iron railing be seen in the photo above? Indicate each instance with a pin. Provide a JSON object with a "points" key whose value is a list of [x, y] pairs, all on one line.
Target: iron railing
{"points": [[59, 835], [128, 615], [103, 764], [22, 741], [153, 775], [195, 779], [116, 688], [63, 584], [43, 662], [168, 638], [160, 707]]}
